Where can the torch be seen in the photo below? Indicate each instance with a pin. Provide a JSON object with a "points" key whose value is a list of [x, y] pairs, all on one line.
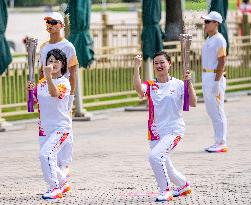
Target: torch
{"points": [[185, 40], [31, 45]]}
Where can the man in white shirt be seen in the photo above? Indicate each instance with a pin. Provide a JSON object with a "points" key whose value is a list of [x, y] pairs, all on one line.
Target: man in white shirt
{"points": [[54, 24], [213, 81]]}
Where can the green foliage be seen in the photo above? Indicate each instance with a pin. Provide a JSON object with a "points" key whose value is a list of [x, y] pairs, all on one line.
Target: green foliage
{"points": [[202, 4], [23, 3], [115, 1]]}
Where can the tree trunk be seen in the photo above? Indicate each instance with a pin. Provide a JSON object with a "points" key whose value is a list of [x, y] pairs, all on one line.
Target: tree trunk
{"points": [[174, 20]]}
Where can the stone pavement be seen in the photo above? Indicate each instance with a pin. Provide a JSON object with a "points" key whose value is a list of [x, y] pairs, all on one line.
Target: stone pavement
{"points": [[111, 161]]}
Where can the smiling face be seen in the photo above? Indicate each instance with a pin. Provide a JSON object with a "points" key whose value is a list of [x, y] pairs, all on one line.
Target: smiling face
{"points": [[161, 66], [57, 64]]}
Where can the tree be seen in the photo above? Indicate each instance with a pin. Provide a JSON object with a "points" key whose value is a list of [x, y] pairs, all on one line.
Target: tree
{"points": [[174, 20]]}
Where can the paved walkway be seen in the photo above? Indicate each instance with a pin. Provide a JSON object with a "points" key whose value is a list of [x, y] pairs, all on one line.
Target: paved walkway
{"points": [[111, 166]]}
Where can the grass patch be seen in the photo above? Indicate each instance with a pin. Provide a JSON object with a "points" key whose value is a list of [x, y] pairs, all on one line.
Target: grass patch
{"points": [[239, 83], [125, 7], [198, 5], [103, 99], [237, 90], [21, 117], [116, 7], [104, 107]]}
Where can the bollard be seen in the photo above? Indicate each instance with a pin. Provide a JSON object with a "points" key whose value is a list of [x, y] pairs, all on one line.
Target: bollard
{"points": [[139, 26], [66, 26], [104, 29], [2, 120]]}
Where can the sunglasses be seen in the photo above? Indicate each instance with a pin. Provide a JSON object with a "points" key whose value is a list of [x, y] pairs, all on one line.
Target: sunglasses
{"points": [[52, 22], [208, 21]]}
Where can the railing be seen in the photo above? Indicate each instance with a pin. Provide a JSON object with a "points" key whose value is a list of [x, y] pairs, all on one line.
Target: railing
{"points": [[108, 34], [109, 79]]}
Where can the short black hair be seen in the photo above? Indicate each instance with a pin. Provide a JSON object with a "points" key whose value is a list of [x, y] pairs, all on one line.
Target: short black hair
{"points": [[162, 53], [59, 55]]}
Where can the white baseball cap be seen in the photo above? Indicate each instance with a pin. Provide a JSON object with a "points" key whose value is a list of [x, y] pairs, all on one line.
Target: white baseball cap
{"points": [[54, 15], [213, 16]]}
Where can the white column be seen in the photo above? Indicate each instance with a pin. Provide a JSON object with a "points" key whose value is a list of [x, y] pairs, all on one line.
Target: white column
{"points": [[148, 66], [12, 3], [78, 95], [81, 113]]}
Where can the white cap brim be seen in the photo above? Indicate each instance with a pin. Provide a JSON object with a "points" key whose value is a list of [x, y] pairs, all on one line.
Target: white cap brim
{"points": [[207, 18], [55, 16]]}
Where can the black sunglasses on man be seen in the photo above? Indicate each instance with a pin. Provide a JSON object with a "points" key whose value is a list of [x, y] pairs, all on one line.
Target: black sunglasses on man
{"points": [[52, 22], [208, 21]]}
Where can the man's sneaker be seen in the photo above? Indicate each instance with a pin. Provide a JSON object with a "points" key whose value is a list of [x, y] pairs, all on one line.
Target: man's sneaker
{"points": [[165, 196], [53, 194], [217, 148], [65, 187], [182, 191]]}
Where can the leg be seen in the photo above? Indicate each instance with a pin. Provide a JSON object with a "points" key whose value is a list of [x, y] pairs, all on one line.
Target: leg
{"points": [[215, 109], [175, 177], [65, 154], [220, 118], [64, 159], [158, 158], [48, 157]]}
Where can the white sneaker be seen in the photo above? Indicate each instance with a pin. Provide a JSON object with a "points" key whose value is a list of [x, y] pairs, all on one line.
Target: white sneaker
{"points": [[53, 194], [165, 196], [182, 191], [217, 148]]}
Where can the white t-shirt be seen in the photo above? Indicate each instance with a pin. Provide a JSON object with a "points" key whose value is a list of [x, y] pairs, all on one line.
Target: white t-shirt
{"points": [[64, 45], [165, 107], [54, 113], [213, 48]]}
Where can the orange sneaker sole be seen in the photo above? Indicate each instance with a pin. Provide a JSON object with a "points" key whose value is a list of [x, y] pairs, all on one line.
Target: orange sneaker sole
{"points": [[66, 189], [187, 192]]}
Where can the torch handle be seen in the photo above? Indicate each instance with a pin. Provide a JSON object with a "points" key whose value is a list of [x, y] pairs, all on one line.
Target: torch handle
{"points": [[30, 102], [31, 45], [186, 97]]}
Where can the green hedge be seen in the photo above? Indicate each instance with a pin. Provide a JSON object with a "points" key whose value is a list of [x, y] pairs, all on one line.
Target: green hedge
{"points": [[23, 3]]}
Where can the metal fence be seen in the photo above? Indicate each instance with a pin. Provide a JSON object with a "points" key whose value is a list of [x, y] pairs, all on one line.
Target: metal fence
{"points": [[109, 34], [109, 79]]}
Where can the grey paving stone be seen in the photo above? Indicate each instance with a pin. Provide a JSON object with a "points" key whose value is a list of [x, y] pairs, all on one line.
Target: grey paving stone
{"points": [[111, 161]]}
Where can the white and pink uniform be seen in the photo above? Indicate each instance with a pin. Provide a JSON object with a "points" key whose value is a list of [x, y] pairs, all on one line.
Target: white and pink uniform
{"points": [[166, 127], [57, 127], [214, 48], [65, 156]]}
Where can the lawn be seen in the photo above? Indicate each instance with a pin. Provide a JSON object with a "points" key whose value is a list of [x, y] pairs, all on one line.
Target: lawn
{"points": [[202, 5], [190, 5]]}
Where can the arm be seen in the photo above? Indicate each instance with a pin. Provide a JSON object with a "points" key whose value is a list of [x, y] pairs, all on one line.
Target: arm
{"points": [[73, 78], [40, 73], [136, 76], [53, 90], [192, 95], [220, 68]]}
